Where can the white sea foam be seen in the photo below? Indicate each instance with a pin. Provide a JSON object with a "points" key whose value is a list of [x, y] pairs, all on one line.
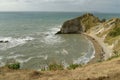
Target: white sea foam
{"points": [[45, 57], [51, 38], [1, 62], [87, 57], [30, 58], [83, 59], [64, 52], [13, 42], [15, 56], [23, 61], [1, 57]]}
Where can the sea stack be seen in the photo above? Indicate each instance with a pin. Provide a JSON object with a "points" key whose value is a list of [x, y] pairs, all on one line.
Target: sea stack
{"points": [[79, 24]]}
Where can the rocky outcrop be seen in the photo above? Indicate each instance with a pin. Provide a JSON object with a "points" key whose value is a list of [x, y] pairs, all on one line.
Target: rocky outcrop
{"points": [[79, 24]]}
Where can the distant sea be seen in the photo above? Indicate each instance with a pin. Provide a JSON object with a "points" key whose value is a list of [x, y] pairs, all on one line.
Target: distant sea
{"points": [[33, 43]]}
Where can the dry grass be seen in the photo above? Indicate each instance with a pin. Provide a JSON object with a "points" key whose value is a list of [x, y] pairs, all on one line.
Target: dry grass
{"points": [[108, 70]]}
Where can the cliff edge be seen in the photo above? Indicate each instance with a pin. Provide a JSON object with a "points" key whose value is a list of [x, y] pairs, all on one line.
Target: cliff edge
{"points": [[79, 24]]}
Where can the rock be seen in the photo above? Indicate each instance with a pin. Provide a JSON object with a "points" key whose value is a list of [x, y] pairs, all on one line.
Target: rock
{"points": [[4, 41], [79, 24], [59, 32]]}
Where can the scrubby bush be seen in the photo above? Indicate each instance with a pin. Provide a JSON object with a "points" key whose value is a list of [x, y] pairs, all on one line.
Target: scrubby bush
{"points": [[55, 66], [115, 32], [74, 66], [14, 66], [103, 20]]}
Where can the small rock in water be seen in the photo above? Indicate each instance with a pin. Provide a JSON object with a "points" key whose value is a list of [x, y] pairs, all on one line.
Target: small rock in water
{"points": [[4, 41]]}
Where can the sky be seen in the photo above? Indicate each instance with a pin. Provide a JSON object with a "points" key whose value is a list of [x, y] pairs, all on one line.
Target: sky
{"points": [[112, 6]]}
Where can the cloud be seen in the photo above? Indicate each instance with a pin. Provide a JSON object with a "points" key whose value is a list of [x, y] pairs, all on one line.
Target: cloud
{"points": [[60, 5]]}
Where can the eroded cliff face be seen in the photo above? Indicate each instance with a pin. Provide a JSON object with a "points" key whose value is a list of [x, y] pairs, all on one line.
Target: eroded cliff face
{"points": [[79, 24], [109, 31]]}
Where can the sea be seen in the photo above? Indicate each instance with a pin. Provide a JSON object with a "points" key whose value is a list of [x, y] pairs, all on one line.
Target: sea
{"points": [[32, 41]]}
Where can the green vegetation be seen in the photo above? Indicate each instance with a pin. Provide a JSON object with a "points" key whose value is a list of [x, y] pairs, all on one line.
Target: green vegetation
{"points": [[14, 66], [115, 32], [74, 66], [115, 56], [100, 60], [55, 67], [89, 21]]}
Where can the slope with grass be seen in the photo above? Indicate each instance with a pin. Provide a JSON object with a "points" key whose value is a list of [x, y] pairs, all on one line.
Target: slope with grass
{"points": [[108, 35]]}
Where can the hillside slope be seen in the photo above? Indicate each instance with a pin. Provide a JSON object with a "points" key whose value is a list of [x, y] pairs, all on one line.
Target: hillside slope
{"points": [[109, 33], [108, 70]]}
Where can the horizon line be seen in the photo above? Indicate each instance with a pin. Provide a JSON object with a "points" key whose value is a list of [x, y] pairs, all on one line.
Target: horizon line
{"points": [[67, 11]]}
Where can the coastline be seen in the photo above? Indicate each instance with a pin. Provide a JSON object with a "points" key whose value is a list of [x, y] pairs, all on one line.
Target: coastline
{"points": [[99, 52], [93, 70]]}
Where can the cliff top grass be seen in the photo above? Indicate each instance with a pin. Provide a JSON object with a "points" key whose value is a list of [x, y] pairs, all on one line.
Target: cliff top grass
{"points": [[114, 32], [89, 20]]}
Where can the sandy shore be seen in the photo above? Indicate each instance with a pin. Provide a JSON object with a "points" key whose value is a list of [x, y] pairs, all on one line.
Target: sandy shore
{"points": [[99, 52]]}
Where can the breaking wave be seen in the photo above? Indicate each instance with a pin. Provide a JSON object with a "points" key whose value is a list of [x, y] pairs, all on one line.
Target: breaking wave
{"points": [[10, 42]]}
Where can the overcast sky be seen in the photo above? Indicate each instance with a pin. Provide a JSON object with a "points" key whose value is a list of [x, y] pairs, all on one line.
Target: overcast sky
{"points": [[61, 5]]}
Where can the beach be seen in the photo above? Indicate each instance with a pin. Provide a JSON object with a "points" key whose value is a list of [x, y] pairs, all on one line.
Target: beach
{"points": [[98, 56]]}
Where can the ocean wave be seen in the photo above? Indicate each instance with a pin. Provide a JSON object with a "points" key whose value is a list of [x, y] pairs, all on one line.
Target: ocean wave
{"points": [[12, 42], [51, 38], [54, 30], [1, 62], [88, 56], [30, 58], [45, 57], [24, 61], [64, 52], [15, 56]]}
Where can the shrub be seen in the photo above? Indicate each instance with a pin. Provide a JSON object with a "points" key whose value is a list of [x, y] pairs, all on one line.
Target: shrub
{"points": [[55, 66], [115, 32], [74, 66], [14, 66]]}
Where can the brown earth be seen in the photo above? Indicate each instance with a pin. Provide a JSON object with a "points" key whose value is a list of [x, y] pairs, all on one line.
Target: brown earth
{"points": [[107, 70]]}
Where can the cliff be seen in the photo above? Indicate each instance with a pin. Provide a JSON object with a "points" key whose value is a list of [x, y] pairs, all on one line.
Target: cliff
{"points": [[109, 32], [79, 24]]}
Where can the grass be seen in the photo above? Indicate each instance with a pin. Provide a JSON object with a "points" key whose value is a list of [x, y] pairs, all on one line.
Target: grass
{"points": [[55, 66], [115, 32], [74, 66], [115, 56]]}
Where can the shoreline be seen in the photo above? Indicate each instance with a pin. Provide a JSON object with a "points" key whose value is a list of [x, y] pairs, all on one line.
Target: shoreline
{"points": [[99, 52]]}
